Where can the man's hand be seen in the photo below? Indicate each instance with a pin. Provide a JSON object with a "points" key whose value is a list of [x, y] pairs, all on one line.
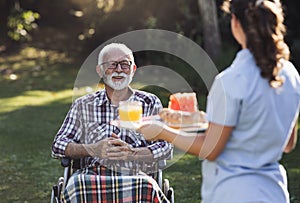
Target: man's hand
{"points": [[99, 149], [121, 150], [114, 148]]}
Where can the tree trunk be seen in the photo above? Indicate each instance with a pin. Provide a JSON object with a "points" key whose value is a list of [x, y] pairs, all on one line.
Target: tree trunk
{"points": [[5, 7], [210, 27]]}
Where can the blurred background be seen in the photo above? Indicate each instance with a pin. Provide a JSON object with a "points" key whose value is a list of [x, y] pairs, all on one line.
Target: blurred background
{"points": [[42, 47]]}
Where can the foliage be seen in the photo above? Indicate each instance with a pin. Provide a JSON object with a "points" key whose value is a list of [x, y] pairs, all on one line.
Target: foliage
{"points": [[108, 18], [21, 23], [78, 27]]}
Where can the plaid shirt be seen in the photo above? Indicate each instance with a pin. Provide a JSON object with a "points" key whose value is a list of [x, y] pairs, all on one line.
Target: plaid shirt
{"points": [[88, 121]]}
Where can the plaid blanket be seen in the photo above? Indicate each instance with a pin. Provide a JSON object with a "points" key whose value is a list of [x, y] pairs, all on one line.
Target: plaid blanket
{"points": [[99, 184]]}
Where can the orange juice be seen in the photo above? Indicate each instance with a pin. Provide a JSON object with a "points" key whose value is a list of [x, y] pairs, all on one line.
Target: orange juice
{"points": [[130, 113]]}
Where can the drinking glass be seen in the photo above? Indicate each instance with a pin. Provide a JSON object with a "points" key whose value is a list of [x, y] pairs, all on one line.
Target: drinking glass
{"points": [[130, 113]]}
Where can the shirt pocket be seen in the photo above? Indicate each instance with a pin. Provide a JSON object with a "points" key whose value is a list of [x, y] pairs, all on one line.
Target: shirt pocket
{"points": [[95, 132]]}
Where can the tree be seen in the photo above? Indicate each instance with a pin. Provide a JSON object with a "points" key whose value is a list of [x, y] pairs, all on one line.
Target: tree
{"points": [[16, 22], [5, 8], [211, 33]]}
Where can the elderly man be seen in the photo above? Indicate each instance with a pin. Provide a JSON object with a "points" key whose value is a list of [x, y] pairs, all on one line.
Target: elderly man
{"points": [[109, 154]]}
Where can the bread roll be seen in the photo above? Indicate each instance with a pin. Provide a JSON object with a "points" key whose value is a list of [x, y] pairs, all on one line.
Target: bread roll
{"points": [[176, 117]]}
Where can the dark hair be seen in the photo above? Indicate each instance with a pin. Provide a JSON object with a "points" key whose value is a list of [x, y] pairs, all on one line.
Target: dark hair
{"points": [[262, 22]]}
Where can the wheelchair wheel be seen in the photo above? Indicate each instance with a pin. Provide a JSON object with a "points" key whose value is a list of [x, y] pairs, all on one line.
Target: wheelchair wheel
{"points": [[166, 186], [170, 195], [168, 191], [57, 190]]}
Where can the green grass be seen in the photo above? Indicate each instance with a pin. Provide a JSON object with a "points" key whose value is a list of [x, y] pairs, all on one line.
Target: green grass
{"points": [[32, 108]]}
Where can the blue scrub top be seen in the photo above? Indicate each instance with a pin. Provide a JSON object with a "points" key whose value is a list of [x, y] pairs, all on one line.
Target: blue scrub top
{"points": [[263, 118]]}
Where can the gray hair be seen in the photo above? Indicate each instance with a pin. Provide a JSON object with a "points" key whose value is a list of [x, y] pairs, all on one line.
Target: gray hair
{"points": [[111, 46]]}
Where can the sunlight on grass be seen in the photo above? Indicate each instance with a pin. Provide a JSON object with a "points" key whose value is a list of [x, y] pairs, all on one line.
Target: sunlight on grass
{"points": [[40, 98], [34, 98], [32, 53]]}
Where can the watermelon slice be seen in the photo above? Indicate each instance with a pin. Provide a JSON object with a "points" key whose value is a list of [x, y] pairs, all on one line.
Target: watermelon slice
{"points": [[183, 102], [174, 103]]}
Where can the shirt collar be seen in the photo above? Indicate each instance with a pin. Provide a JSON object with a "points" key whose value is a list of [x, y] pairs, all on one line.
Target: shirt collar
{"points": [[102, 98], [242, 56]]}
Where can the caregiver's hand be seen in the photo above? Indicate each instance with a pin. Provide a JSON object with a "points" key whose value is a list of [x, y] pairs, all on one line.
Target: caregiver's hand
{"points": [[152, 130]]}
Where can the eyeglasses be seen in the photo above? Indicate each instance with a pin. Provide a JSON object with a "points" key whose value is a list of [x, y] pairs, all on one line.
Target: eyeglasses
{"points": [[113, 65]]}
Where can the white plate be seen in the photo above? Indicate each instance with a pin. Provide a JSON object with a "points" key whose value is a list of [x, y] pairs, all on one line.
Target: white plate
{"points": [[134, 126], [194, 127]]}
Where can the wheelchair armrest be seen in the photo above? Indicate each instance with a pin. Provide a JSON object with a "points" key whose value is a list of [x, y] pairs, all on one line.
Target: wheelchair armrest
{"points": [[65, 162], [163, 162]]}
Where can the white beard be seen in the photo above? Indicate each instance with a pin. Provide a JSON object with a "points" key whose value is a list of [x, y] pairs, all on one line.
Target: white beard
{"points": [[107, 79]]}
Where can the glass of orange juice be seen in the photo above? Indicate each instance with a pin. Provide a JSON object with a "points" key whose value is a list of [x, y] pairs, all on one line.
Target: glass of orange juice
{"points": [[130, 113]]}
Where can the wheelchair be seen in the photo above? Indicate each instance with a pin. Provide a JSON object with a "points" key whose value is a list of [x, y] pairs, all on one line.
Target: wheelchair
{"points": [[71, 165]]}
